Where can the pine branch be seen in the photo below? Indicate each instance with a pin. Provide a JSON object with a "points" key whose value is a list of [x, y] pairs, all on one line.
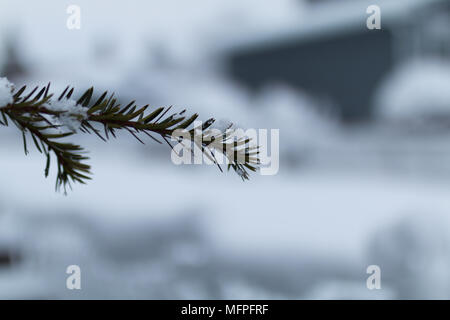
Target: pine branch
{"points": [[49, 122]]}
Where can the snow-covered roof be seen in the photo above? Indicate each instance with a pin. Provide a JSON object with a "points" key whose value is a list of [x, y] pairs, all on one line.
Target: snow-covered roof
{"points": [[416, 90]]}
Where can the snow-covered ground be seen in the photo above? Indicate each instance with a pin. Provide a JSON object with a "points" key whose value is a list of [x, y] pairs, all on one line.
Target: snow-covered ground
{"points": [[344, 198], [151, 225]]}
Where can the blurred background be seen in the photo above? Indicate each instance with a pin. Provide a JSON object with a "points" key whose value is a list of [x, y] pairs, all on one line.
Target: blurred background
{"points": [[364, 119]]}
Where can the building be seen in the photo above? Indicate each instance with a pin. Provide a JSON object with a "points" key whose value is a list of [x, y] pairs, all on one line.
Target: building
{"points": [[332, 53]]}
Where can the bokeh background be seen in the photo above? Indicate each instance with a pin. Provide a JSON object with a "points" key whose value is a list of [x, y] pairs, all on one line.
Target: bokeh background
{"points": [[364, 119]]}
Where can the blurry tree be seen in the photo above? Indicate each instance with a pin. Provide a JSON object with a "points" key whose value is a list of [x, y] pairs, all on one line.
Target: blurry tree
{"points": [[13, 65]]}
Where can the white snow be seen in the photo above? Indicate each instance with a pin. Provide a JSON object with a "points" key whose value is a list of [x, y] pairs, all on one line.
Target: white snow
{"points": [[416, 90], [71, 115], [6, 89]]}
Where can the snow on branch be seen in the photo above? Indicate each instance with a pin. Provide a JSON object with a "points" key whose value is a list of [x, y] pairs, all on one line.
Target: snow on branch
{"points": [[48, 120]]}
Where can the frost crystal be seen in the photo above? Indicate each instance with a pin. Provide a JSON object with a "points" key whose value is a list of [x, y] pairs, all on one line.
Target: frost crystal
{"points": [[6, 89]]}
